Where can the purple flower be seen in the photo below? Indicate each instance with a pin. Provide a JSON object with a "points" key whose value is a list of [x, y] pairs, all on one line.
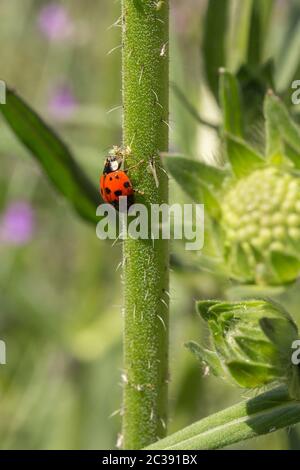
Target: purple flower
{"points": [[54, 22], [62, 102], [17, 223]]}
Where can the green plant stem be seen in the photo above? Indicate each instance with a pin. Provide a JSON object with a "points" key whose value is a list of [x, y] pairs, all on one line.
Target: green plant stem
{"points": [[266, 413], [146, 262]]}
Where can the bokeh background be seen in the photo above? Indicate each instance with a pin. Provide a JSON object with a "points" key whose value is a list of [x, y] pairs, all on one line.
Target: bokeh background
{"points": [[60, 287]]}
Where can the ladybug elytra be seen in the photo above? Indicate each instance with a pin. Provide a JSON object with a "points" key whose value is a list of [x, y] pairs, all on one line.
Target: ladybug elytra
{"points": [[115, 183]]}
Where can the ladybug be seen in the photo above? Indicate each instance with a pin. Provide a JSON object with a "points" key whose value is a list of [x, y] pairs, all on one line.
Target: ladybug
{"points": [[115, 183]]}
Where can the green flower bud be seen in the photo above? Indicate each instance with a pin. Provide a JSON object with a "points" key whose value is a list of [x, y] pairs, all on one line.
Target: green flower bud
{"points": [[252, 342], [261, 222]]}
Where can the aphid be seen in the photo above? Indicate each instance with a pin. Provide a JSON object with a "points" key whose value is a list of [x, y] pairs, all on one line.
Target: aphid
{"points": [[115, 183]]}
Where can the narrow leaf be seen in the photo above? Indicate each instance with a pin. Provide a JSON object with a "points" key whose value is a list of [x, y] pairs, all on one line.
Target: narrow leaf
{"points": [[214, 41], [263, 414], [208, 174], [238, 36], [251, 374], [280, 127], [206, 357], [244, 159], [198, 180], [280, 332], [254, 84], [230, 100], [288, 62], [203, 307], [261, 12], [52, 154], [274, 147]]}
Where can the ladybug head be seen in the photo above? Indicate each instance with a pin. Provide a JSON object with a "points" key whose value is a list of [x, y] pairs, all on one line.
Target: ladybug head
{"points": [[112, 163]]}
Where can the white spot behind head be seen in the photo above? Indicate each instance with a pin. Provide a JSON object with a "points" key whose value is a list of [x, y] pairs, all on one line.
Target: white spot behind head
{"points": [[114, 165]]}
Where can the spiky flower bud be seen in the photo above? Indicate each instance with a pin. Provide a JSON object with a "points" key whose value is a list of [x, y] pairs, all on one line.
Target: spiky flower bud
{"points": [[252, 343], [252, 204], [261, 221]]}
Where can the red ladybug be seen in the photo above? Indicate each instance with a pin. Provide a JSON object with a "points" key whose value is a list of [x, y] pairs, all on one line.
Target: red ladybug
{"points": [[115, 183]]}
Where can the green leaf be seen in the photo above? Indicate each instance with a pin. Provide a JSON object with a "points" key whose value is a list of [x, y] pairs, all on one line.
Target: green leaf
{"points": [[230, 100], [208, 174], [286, 267], [243, 159], [209, 358], [198, 180], [280, 127], [203, 307], [263, 414], [280, 331], [238, 35], [254, 84], [261, 12], [53, 156], [274, 147], [239, 262], [214, 41], [292, 155], [255, 349], [255, 39], [288, 62], [251, 374]]}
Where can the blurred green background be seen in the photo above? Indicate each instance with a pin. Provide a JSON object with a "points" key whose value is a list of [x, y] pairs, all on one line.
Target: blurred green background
{"points": [[61, 290]]}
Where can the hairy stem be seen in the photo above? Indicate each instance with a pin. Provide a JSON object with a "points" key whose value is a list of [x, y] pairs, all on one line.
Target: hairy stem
{"points": [[146, 262]]}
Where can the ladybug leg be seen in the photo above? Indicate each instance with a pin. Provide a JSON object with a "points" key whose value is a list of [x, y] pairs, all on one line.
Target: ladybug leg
{"points": [[138, 191], [134, 166]]}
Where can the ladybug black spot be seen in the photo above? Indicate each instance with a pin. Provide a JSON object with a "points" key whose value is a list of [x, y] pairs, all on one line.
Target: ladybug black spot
{"points": [[110, 178], [117, 177], [107, 190], [126, 184], [118, 193]]}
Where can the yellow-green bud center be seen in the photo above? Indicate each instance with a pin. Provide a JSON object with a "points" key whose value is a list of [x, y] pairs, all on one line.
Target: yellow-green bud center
{"points": [[261, 214]]}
